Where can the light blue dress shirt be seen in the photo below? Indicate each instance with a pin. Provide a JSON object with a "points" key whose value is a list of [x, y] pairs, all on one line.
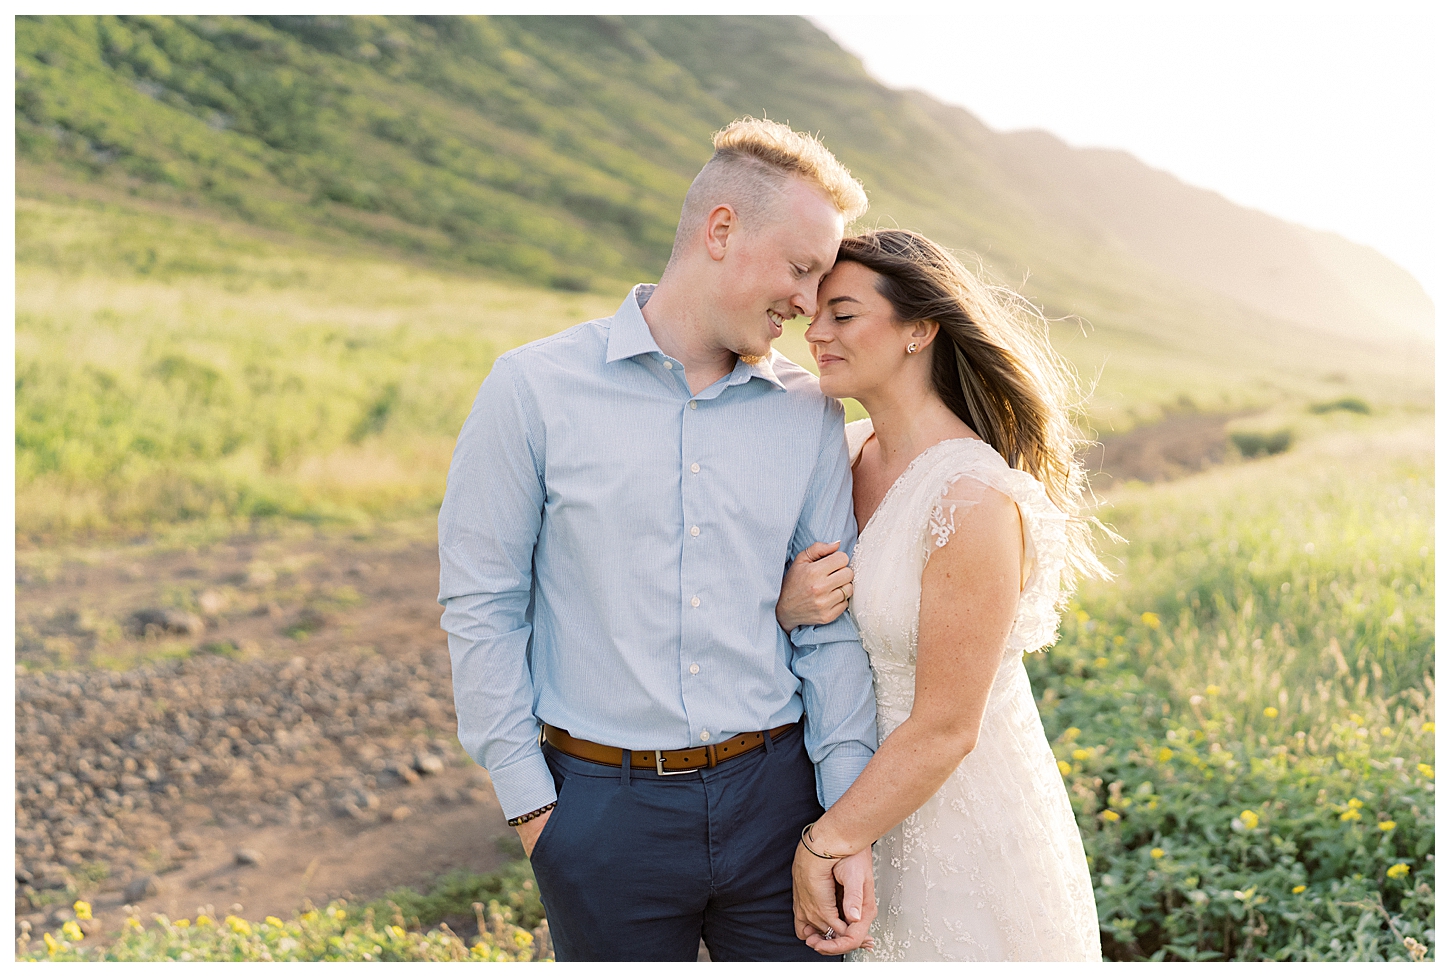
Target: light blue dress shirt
{"points": [[611, 553]]}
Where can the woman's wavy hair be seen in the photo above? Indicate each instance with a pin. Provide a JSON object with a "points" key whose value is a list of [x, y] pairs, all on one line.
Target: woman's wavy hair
{"points": [[993, 366]]}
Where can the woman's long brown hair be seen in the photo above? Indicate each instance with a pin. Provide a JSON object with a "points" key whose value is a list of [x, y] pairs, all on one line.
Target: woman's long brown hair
{"points": [[993, 366]]}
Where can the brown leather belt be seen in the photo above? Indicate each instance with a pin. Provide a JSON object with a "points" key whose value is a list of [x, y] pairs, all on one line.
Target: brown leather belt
{"points": [[664, 762]]}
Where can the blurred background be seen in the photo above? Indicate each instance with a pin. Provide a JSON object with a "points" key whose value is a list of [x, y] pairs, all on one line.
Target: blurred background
{"points": [[263, 264]]}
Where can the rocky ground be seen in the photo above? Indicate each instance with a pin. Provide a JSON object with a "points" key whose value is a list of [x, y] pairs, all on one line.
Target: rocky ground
{"points": [[259, 722]]}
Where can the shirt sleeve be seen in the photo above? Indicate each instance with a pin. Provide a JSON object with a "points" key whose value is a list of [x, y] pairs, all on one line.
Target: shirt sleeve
{"points": [[487, 528], [836, 690]]}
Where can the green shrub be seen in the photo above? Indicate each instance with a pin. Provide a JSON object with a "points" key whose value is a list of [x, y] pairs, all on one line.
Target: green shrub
{"points": [[1354, 405], [1245, 718], [504, 906], [1252, 444]]}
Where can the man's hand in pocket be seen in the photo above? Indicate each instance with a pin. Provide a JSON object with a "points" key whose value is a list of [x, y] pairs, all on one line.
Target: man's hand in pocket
{"points": [[529, 832]]}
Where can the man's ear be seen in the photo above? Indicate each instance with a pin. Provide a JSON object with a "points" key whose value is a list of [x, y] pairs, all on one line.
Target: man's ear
{"points": [[720, 223]]}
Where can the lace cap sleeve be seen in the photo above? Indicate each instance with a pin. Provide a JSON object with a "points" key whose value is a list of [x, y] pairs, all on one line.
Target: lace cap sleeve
{"points": [[978, 471]]}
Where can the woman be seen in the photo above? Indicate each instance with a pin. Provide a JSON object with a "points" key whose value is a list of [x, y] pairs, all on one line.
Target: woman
{"points": [[965, 487]]}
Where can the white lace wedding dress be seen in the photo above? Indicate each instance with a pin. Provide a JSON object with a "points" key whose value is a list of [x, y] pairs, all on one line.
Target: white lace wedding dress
{"points": [[992, 866]]}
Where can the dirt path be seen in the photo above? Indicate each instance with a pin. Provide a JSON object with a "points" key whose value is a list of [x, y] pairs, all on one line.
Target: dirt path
{"points": [[286, 699]]}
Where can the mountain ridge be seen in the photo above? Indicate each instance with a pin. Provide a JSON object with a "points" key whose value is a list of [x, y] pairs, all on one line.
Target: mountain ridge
{"points": [[556, 150]]}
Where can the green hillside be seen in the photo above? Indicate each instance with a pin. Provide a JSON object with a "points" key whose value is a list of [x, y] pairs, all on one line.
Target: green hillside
{"points": [[262, 263]]}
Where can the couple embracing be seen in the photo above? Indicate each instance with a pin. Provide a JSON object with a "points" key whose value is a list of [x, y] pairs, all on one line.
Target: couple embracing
{"points": [[644, 555]]}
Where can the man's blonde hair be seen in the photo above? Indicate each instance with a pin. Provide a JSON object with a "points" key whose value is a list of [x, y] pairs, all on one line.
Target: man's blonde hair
{"points": [[754, 159]]}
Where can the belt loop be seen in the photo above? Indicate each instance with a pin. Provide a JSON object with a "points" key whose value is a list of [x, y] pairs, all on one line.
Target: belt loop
{"points": [[624, 764], [769, 743]]}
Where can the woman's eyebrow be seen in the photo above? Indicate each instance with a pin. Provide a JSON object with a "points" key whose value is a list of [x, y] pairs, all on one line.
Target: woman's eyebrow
{"points": [[842, 298]]}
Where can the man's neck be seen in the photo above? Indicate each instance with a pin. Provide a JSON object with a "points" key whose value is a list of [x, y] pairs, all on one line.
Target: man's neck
{"points": [[674, 318]]}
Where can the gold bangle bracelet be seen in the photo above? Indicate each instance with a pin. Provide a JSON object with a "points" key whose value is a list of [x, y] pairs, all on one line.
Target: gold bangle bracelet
{"points": [[805, 840]]}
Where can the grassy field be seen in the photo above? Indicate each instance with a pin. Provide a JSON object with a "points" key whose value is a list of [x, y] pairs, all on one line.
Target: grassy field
{"points": [[175, 371], [1244, 717]]}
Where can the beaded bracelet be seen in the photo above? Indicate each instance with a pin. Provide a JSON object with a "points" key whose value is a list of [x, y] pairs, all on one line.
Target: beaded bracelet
{"points": [[515, 822], [805, 840]]}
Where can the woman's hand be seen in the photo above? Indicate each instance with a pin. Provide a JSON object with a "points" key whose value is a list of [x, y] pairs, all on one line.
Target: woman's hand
{"points": [[834, 896], [816, 588]]}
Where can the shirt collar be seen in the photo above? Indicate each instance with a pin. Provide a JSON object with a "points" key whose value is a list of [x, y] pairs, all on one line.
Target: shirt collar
{"points": [[629, 335]]}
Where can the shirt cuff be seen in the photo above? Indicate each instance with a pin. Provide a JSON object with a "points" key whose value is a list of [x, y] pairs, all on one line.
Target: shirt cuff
{"points": [[524, 786], [808, 635], [837, 771]]}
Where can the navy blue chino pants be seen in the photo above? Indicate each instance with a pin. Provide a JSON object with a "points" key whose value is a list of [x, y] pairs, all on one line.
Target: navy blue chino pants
{"points": [[635, 866]]}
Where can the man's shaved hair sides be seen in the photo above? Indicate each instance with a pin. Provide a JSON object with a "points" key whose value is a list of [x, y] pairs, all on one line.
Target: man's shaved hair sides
{"points": [[753, 163]]}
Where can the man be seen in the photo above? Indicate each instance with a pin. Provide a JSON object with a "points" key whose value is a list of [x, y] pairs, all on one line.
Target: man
{"points": [[621, 506]]}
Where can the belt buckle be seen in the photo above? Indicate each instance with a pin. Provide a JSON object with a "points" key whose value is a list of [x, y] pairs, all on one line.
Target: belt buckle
{"points": [[660, 766]]}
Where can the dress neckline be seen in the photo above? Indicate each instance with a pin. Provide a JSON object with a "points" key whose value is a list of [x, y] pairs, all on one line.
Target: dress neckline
{"points": [[891, 492]]}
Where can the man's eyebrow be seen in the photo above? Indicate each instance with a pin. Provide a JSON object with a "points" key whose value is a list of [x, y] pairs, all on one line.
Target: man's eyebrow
{"points": [[842, 298]]}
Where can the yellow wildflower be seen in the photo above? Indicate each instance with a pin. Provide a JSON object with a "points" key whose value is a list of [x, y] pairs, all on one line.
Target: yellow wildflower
{"points": [[1271, 712], [1082, 617], [309, 917], [1356, 718], [1426, 769], [1151, 619], [339, 914], [1356, 803], [523, 938], [183, 923], [1427, 728], [204, 920], [480, 949], [1398, 870], [239, 925], [1211, 690], [1349, 815], [1157, 853], [1386, 825], [1387, 732], [1071, 733], [1164, 754], [72, 931], [83, 909], [133, 923], [1298, 889], [273, 921], [398, 931], [1081, 754], [51, 946], [1250, 819], [1100, 662], [1110, 815], [1064, 767]]}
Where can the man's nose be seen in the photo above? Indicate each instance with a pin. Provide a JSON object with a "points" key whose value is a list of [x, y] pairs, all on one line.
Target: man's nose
{"points": [[805, 304]]}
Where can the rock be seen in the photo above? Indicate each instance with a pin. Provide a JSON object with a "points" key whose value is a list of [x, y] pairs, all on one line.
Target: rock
{"points": [[212, 602], [400, 814], [52, 881], [427, 763], [22, 875], [247, 856], [141, 887]]}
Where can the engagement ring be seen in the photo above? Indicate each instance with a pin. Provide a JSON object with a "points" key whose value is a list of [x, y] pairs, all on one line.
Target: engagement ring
{"points": [[830, 933]]}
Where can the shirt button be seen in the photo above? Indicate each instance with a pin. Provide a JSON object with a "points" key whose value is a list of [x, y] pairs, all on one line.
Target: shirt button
{"points": [[694, 669], [669, 365], [695, 468], [694, 602], [694, 530], [693, 405], [705, 736]]}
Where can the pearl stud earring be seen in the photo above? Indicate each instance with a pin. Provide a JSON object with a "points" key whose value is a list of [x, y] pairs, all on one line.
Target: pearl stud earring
{"points": [[912, 347]]}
